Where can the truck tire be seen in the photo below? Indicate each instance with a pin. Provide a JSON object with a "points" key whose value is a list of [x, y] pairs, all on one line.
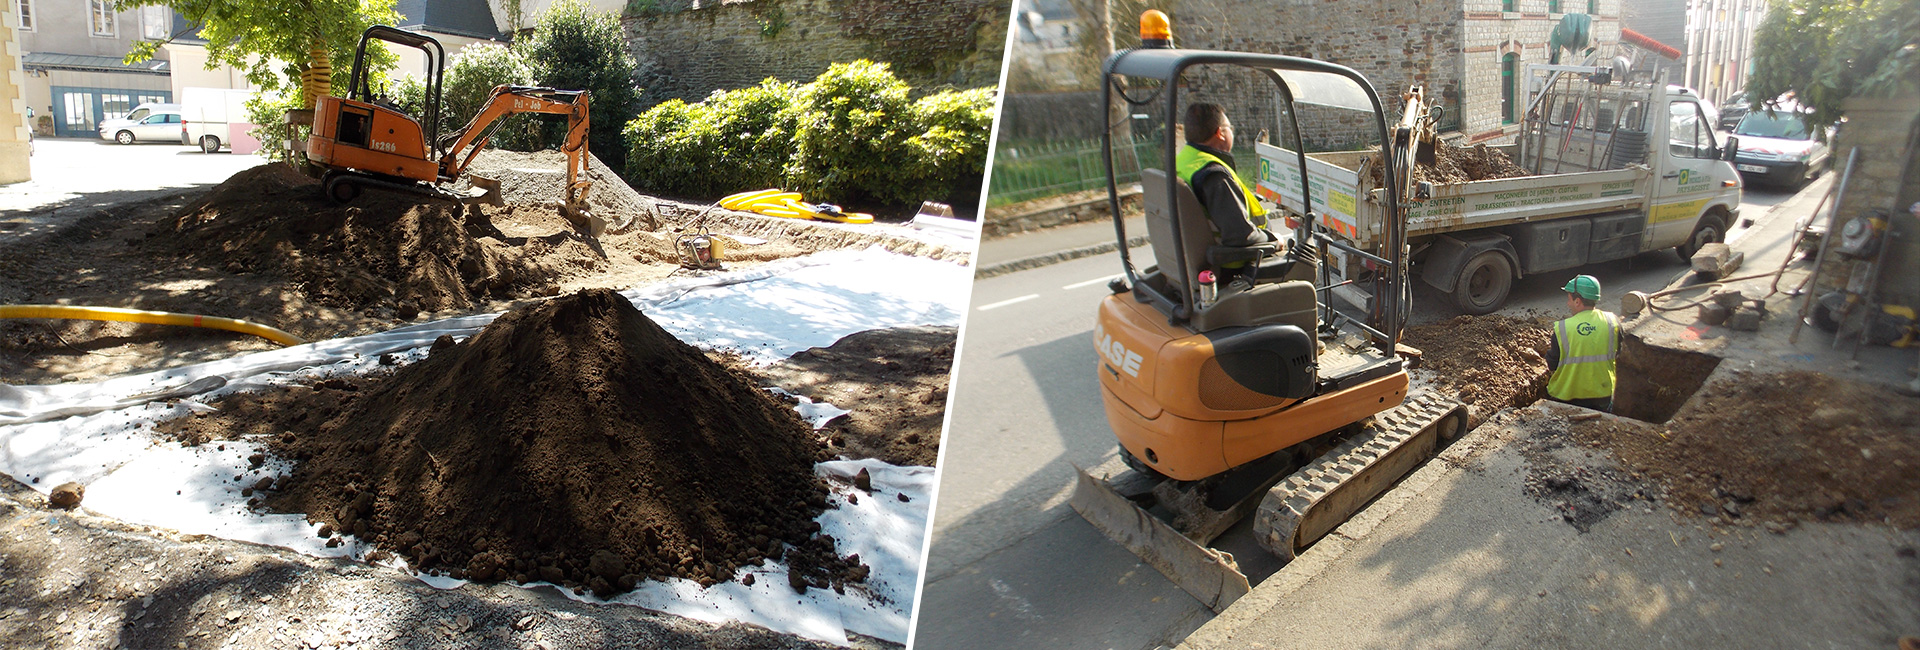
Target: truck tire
{"points": [[209, 144], [1483, 284], [1712, 228], [123, 137]]}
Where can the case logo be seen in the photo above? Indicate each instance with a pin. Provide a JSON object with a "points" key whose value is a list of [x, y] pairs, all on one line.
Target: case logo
{"points": [[1116, 352]]}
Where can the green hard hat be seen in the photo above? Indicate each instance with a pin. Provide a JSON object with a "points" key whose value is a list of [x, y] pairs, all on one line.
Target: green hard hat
{"points": [[1585, 286]]}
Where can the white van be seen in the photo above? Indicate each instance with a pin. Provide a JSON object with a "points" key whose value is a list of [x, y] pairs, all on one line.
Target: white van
{"points": [[216, 118], [147, 123]]}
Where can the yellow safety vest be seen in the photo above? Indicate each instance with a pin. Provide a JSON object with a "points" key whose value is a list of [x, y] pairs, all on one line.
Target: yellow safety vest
{"points": [[1189, 162], [1589, 342]]}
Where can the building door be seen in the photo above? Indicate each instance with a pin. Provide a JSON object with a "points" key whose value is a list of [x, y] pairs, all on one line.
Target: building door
{"points": [[73, 113]]}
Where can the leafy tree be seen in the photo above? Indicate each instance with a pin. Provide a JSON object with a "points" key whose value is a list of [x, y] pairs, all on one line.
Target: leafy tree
{"points": [[472, 75], [575, 48], [1825, 51], [277, 42]]}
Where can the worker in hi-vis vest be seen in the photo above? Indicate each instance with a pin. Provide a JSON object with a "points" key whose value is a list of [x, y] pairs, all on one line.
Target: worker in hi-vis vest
{"points": [[1206, 164], [1581, 359]]}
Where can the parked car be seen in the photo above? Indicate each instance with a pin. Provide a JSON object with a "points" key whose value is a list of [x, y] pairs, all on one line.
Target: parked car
{"points": [[1732, 110], [216, 118], [147, 123], [1779, 147]]}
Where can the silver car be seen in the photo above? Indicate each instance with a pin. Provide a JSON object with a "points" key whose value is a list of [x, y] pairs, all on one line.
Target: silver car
{"points": [[147, 123]]}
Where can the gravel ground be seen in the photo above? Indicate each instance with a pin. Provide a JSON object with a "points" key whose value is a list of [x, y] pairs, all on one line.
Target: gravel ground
{"points": [[74, 580]]}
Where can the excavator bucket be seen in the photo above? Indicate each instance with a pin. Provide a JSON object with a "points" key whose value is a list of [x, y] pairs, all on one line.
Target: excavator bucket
{"points": [[1211, 576], [584, 221], [489, 187]]}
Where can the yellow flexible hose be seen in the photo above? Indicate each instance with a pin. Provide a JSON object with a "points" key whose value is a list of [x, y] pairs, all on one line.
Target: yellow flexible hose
{"points": [[148, 317]]}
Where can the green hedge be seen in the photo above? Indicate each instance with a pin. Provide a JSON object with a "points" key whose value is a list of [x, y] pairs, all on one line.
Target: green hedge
{"points": [[852, 135]]}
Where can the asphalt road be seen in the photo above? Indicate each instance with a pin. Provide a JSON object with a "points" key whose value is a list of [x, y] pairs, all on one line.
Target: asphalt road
{"points": [[89, 174], [1011, 566]]}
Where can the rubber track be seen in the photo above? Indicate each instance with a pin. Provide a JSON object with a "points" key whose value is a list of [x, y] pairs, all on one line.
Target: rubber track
{"points": [[1287, 504]]}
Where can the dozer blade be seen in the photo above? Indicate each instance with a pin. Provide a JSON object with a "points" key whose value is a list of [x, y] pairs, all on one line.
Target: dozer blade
{"points": [[1326, 492], [1209, 575]]}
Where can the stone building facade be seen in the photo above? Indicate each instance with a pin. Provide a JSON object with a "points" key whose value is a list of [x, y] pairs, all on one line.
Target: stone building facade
{"points": [[1886, 176], [688, 49], [1459, 50]]}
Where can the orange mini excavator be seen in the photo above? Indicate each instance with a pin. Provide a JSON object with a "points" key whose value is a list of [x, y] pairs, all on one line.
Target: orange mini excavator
{"points": [[362, 141], [1263, 398]]}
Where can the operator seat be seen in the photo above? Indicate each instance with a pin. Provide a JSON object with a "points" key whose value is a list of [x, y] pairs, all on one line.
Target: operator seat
{"points": [[1288, 302]]}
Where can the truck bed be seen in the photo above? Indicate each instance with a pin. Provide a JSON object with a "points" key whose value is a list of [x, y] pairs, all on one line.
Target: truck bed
{"points": [[1348, 202]]}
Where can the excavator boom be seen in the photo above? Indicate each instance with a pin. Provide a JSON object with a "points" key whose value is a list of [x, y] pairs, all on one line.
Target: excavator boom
{"points": [[514, 100]]}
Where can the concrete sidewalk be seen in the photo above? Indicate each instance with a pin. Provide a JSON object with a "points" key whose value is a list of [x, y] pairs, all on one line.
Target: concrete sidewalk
{"points": [[1459, 555], [1054, 245]]}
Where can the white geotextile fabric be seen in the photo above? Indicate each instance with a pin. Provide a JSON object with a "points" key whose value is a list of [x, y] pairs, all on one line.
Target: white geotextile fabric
{"points": [[766, 313], [99, 434]]}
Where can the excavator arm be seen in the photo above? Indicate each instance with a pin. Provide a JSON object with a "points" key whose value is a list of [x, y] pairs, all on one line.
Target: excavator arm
{"points": [[513, 100]]}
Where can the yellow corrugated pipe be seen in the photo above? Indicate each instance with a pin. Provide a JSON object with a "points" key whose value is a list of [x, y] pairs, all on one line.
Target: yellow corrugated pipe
{"points": [[148, 317]]}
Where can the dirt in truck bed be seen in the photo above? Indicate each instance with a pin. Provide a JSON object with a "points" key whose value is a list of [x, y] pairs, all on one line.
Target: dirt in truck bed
{"points": [[573, 442], [265, 246], [1460, 165]]}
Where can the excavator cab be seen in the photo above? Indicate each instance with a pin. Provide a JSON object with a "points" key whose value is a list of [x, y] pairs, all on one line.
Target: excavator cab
{"points": [[360, 141], [1271, 395]]}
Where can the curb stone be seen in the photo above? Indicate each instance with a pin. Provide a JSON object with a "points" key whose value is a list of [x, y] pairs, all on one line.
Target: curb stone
{"points": [[1056, 257], [1217, 634]]}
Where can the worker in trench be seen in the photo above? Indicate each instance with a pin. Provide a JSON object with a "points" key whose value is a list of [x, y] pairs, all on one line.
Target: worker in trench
{"points": [[1206, 164], [1580, 358]]}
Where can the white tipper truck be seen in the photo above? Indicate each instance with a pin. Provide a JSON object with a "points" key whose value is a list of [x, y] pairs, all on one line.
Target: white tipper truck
{"points": [[1600, 191]]}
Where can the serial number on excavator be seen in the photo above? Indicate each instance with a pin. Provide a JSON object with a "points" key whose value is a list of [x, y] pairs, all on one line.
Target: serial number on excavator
{"points": [[384, 146]]}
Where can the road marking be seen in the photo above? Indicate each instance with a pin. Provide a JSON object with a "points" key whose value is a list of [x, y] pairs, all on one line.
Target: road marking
{"points": [[1101, 280], [1009, 301]]}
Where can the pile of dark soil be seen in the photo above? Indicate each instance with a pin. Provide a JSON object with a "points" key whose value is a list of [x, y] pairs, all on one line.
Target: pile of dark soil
{"points": [[385, 249], [1565, 473], [573, 441], [1488, 362], [1782, 448], [1457, 165], [895, 382]]}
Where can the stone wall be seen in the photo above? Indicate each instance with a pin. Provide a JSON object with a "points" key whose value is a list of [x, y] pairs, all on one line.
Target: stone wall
{"points": [[1050, 116], [1453, 48], [1883, 129], [687, 49]]}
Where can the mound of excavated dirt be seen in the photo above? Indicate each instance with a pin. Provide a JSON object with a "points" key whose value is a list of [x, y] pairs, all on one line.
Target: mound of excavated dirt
{"points": [[895, 382], [385, 249], [573, 441], [1781, 448], [1489, 362], [1456, 165], [540, 178]]}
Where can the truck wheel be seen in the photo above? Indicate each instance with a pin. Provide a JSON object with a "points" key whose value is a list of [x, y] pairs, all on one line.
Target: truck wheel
{"points": [[123, 137], [1483, 283], [1711, 229], [210, 144]]}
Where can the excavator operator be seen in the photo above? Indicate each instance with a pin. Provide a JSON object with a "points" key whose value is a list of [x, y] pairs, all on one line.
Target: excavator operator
{"points": [[1580, 361], [1206, 164]]}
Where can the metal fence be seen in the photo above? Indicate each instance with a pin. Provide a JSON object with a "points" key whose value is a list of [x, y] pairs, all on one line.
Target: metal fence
{"points": [[1023, 171]]}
